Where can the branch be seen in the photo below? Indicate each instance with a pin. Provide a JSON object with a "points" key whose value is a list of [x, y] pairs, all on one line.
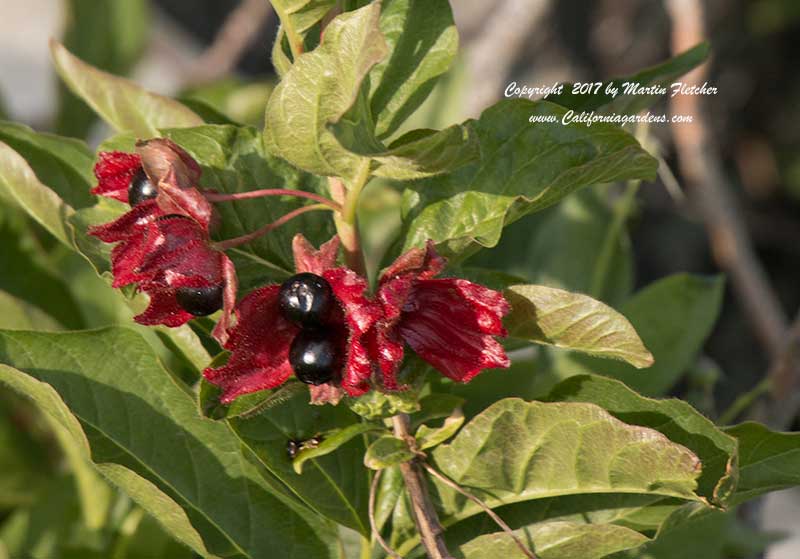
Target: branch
{"points": [[495, 50], [425, 517], [499, 521], [701, 168], [237, 33]]}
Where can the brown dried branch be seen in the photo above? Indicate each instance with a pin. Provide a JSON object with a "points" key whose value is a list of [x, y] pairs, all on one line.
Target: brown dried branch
{"points": [[237, 33], [498, 47], [702, 170], [730, 242], [425, 517], [493, 515]]}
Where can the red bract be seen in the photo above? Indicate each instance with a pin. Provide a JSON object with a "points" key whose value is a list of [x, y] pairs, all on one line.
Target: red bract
{"points": [[167, 166], [163, 247], [450, 323], [260, 341], [114, 171]]}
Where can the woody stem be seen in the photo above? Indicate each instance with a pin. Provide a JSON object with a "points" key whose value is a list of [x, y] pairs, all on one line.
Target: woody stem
{"points": [[219, 197], [425, 517], [244, 239]]}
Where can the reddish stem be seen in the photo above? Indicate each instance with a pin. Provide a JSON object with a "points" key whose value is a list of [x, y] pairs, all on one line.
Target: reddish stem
{"points": [[218, 197], [244, 239]]}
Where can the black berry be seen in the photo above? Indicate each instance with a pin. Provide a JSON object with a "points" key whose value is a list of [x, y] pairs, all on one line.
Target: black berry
{"points": [[313, 356], [141, 189], [200, 301], [306, 299]]}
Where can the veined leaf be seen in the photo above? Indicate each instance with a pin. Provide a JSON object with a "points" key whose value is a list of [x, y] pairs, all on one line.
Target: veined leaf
{"points": [[109, 35], [20, 183], [125, 106], [518, 450], [63, 164], [331, 442], [524, 167], [319, 89], [674, 418], [673, 317], [112, 391], [387, 451], [423, 41], [768, 461], [334, 484], [575, 321], [692, 530], [299, 16], [556, 540]]}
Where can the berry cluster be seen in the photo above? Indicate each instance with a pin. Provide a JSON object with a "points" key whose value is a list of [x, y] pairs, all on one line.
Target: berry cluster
{"points": [[307, 299], [320, 325]]}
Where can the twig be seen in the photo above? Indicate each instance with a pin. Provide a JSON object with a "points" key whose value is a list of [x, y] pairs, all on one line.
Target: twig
{"points": [[237, 33], [373, 489], [499, 45], [701, 168], [244, 239], [220, 197], [499, 521], [425, 517], [784, 380]]}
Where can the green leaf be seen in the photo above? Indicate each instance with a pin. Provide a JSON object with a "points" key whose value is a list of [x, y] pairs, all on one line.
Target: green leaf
{"points": [[333, 485], [16, 314], [63, 164], [299, 16], [34, 280], [523, 168], [125, 106], [147, 495], [428, 437], [556, 540], [517, 451], [387, 451], [676, 419], [572, 320], [768, 461], [331, 442], [673, 317], [20, 183], [436, 406], [423, 41], [660, 75], [692, 530], [320, 89], [376, 405], [572, 246], [425, 153], [167, 456], [109, 35]]}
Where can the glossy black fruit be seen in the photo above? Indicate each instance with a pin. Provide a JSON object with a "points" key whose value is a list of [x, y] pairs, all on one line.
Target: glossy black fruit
{"points": [[313, 356], [306, 299], [141, 189], [200, 301]]}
